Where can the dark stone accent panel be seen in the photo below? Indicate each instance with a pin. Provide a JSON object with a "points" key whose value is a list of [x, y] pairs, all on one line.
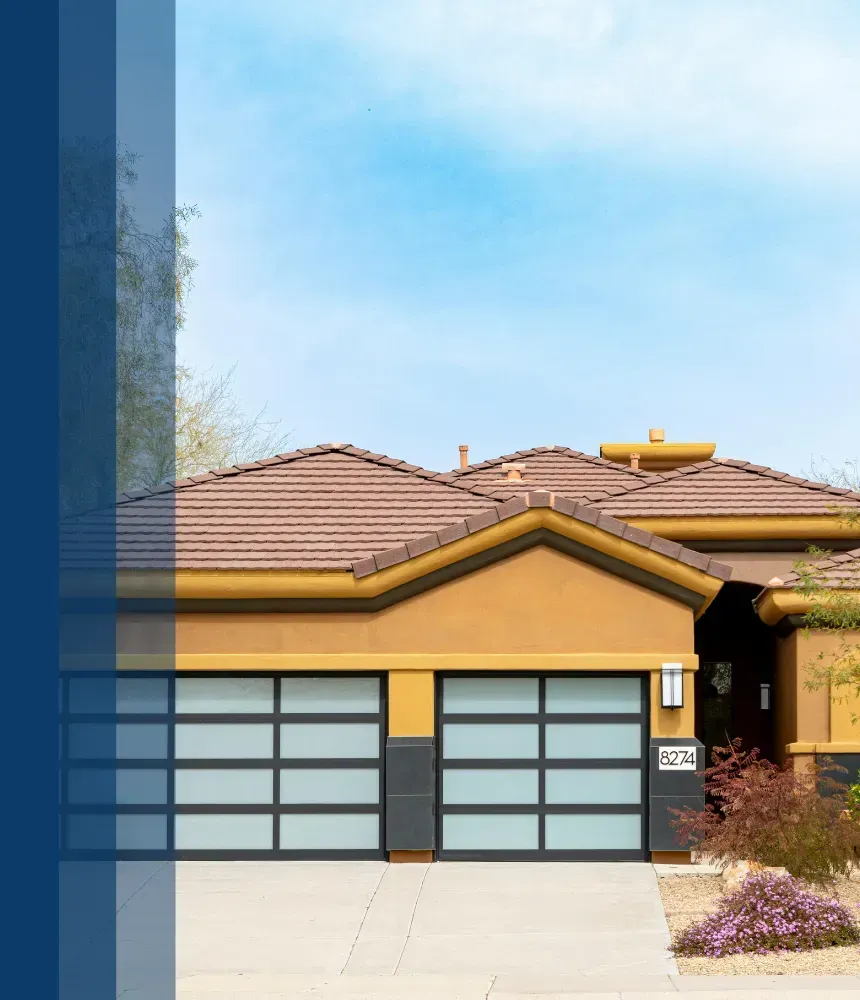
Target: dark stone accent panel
{"points": [[410, 793], [409, 823], [851, 763], [671, 790]]}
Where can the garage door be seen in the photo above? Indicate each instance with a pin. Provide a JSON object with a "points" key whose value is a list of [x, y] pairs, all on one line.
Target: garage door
{"points": [[542, 767], [239, 766]]}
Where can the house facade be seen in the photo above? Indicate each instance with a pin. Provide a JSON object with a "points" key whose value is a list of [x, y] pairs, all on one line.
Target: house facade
{"points": [[523, 658]]}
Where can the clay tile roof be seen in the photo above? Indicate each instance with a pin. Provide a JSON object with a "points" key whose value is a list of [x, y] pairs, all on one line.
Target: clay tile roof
{"points": [[540, 498], [555, 468], [315, 508], [840, 571], [726, 487]]}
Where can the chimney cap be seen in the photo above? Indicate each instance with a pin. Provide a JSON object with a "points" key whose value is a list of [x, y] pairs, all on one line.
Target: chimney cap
{"points": [[656, 435], [514, 470]]}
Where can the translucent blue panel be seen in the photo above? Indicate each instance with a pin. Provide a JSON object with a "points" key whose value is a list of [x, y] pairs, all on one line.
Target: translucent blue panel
{"points": [[590, 740], [141, 833], [141, 740], [353, 785], [594, 694], [330, 694], [225, 694], [92, 695], [594, 833], [141, 695], [230, 786], [331, 832], [224, 740], [330, 739], [126, 741], [489, 694], [125, 787], [604, 787], [223, 833], [121, 833], [495, 741], [489, 787], [490, 833]]}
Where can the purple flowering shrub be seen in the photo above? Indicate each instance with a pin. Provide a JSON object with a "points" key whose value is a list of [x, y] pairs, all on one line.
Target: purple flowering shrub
{"points": [[768, 913]]}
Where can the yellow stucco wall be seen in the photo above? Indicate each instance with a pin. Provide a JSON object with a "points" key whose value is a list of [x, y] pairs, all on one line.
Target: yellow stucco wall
{"points": [[539, 601], [814, 721], [538, 610]]}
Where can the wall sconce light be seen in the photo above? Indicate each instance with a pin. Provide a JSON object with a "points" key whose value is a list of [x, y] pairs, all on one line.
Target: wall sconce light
{"points": [[765, 697], [672, 685]]}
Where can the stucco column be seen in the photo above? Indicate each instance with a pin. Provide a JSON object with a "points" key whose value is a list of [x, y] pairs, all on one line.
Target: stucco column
{"points": [[410, 755], [672, 729]]}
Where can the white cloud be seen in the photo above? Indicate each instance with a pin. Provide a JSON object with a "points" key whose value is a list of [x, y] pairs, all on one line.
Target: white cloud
{"points": [[772, 85]]}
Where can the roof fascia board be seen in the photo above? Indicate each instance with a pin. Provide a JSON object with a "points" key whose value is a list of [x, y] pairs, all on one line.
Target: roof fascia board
{"points": [[705, 529]]}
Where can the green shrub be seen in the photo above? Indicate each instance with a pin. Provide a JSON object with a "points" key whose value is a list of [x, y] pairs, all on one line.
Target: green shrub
{"points": [[853, 800]]}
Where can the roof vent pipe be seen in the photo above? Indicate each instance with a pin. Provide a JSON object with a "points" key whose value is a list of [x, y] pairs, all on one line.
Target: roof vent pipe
{"points": [[464, 456], [656, 435], [513, 470], [634, 459]]}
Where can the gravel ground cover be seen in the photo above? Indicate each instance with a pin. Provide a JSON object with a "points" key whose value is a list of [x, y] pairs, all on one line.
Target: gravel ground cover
{"points": [[688, 898]]}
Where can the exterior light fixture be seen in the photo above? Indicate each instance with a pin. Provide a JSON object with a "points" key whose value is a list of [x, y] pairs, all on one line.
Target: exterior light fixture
{"points": [[765, 697], [672, 685]]}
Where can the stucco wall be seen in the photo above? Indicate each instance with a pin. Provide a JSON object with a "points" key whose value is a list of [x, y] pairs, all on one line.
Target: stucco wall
{"points": [[539, 601], [812, 716]]}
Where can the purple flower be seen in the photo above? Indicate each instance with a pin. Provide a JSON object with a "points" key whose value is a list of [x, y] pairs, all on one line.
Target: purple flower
{"points": [[770, 913]]}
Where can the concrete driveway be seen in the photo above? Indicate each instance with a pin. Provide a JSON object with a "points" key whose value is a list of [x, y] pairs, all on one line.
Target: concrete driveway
{"points": [[283, 928]]}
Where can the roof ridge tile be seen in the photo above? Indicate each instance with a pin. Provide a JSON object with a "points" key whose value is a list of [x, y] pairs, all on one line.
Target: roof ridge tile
{"points": [[520, 505]]}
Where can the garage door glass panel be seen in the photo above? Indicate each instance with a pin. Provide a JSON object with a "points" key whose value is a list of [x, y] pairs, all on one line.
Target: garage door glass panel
{"points": [[480, 695], [225, 695], [594, 695], [594, 740], [359, 786], [330, 832], [496, 741], [580, 832], [320, 740], [489, 787], [604, 787], [224, 832], [464, 832], [556, 770], [141, 833], [142, 695], [215, 740], [232, 786], [329, 695]]}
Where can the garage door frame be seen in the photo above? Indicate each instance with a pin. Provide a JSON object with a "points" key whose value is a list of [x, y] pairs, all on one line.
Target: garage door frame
{"points": [[542, 764], [275, 764]]}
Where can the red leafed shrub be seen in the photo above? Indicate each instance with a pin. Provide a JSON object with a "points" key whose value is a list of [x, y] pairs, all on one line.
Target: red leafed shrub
{"points": [[768, 913], [773, 816]]}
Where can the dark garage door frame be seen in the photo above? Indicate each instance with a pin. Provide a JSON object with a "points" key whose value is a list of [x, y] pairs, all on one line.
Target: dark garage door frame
{"points": [[542, 763], [169, 809]]}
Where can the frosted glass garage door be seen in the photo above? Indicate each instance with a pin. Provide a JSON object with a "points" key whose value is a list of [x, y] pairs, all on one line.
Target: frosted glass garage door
{"points": [[542, 767], [224, 766]]}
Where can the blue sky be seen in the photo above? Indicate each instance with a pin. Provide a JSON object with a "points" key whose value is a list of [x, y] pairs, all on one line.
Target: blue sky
{"points": [[509, 224]]}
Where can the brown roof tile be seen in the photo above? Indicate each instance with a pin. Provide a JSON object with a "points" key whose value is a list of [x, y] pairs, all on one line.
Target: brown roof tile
{"points": [[840, 570], [316, 508], [561, 470], [332, 506], [727, 487]]}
